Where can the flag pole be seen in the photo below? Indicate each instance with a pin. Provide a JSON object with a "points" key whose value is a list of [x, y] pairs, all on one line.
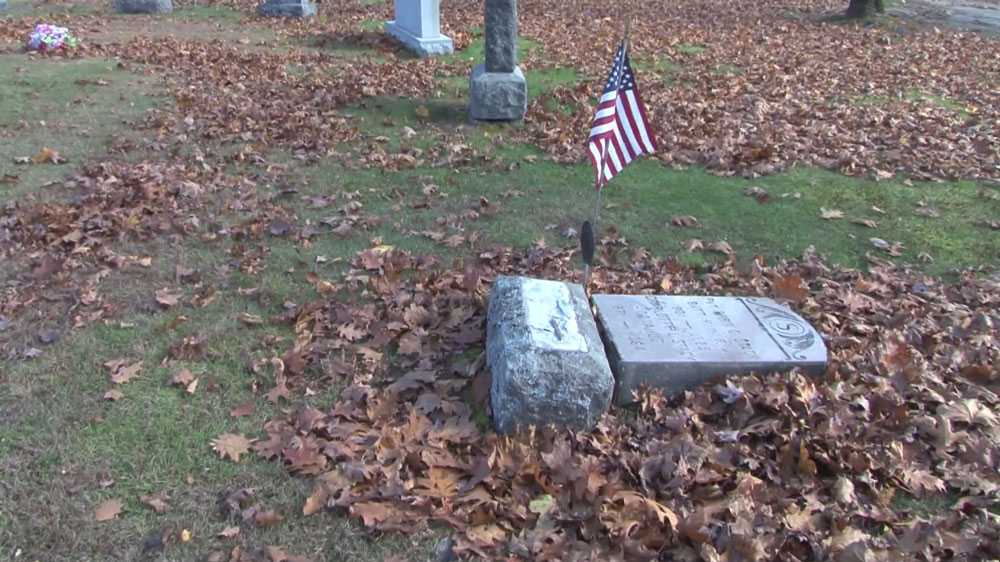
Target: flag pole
{"points": [[595, 230]]}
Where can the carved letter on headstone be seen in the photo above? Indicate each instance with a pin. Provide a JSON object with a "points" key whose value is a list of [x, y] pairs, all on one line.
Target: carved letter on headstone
{"points": [[498, 90]]}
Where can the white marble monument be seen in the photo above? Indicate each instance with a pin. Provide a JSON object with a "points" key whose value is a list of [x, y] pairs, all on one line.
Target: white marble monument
{"points": [[418, 26]]}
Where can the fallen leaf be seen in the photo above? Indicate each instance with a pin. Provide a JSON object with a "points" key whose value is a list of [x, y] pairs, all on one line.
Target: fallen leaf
{"points": [[108, 510], [185, 535], [242, 410], [830, 214], [231, 445], [267, 518], [865, 222], [183, 377], [47, 156], [685, 221], [157, 501], [721, 247], [121, 372], [166, 299], [758, 193], [969, 411], [113, 395], [790, 287], [250, 319], [228, 533], [843, 491]]}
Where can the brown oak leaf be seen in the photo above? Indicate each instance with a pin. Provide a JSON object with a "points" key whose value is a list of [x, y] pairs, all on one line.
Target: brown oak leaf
{"points": [[231, 445]]}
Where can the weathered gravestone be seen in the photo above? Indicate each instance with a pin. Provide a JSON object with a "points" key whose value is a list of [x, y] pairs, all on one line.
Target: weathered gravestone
{"points": [[498, 90], [418, 26], [545, 355], [144, 6], [287, 8], [675, 343]]}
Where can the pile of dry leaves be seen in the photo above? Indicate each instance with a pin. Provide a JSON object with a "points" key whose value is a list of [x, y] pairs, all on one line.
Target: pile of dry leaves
{"points": [[739, 87], [763, 467]]}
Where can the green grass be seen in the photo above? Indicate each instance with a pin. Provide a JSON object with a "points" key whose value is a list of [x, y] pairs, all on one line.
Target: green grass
{"points": [[75, 107], [60, 440], [691, 48], [642, 201], [38, 8], [211, 13], [727, 70], [63, 449], [913, 95], [475, 53], [372, 25]]}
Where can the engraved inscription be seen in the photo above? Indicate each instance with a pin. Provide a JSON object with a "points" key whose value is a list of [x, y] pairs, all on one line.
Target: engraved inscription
{"points": [[790, 331], [678, 342], [688, 329], [550, 317]]}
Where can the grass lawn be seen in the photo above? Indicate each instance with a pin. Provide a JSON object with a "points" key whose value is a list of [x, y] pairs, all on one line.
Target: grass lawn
{"points": [[65, 449]]}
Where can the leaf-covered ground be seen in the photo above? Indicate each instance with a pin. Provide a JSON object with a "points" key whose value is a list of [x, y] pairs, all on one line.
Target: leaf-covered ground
{"points": [[234, 249]]}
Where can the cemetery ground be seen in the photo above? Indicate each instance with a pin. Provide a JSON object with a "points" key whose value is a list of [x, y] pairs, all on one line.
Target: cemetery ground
{"points": [[285, 232]]}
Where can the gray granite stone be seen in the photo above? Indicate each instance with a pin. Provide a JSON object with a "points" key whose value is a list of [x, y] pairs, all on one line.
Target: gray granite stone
{"points": [[287, 9], [497, 96], [677, 342], [144, 6], [501, 35], [545, 355]]}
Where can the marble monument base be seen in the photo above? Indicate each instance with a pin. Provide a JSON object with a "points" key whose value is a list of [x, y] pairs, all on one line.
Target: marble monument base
{"points": [[422, 46]]}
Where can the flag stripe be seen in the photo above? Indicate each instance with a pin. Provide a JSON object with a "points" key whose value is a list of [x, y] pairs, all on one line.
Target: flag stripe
{"points": [[628, 125], [620, 129], [639, 114]]}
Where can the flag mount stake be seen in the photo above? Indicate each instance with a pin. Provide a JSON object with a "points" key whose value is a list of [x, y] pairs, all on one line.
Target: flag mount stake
{"points": [[590, 233]]}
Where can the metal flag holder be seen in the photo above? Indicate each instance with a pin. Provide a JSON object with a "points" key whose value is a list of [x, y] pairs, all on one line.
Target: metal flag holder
{"points": [[590, 232]]}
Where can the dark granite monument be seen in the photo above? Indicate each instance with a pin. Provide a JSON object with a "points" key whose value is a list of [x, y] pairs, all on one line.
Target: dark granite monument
{"points": [[498, 90], [144, 6], [287, 8]]}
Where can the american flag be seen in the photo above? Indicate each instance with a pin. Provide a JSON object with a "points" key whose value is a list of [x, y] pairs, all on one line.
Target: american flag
{"points": [[620, 132]]}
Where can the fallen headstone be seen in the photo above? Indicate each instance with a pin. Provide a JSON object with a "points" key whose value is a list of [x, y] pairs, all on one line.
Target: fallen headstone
{"points": [[144, 6], [287, 8], [545, 355], [418, 26], [675, 343], [498, 90]]}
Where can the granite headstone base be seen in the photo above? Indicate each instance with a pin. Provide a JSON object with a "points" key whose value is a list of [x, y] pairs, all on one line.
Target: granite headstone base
{"points": [[675, 343], [497, 96], [287, 9], [422, 46], [545, 355], [144, 6]]}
